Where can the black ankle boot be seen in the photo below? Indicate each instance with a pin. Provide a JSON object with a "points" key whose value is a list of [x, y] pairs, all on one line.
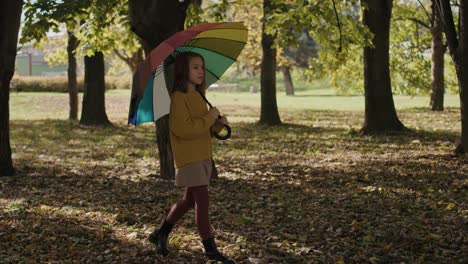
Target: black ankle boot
{"points": [[159, 238], [211, 251]]}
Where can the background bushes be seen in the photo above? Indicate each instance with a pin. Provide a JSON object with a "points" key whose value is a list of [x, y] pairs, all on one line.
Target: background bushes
{"points": [[60, 83]]}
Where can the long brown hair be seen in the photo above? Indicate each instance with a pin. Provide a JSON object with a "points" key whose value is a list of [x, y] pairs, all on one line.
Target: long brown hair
{"points": [[182, 69]]}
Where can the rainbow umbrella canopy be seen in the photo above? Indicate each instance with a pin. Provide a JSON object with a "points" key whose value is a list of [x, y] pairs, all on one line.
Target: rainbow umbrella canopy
{"points": [[219, 43]]}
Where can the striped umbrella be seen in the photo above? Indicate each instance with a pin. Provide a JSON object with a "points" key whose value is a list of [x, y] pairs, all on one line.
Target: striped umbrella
{"points": [[219, 43]]}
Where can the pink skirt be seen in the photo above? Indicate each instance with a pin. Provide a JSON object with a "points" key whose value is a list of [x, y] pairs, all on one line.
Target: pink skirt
{"points": [[194, 174]]}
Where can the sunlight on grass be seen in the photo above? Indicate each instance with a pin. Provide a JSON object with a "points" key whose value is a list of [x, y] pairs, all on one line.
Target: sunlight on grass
{"points": [[34, 105]]}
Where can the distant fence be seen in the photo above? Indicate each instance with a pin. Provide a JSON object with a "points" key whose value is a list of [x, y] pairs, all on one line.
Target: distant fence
{"points": [[28, 64]]}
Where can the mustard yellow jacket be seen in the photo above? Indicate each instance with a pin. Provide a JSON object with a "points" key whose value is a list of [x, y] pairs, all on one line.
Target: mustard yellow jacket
{"points": [[191, 128]]}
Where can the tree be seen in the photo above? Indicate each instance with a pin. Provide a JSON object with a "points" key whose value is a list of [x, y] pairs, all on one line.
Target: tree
{"points": [[128, 49], [297, 57], [410, 43], [380, 113], [415, 32], [72, 44], [457, 39], [288, 82], [96, 36], [326, 24], [93, 111], [95, 41], [41, 16], [317, 28], [98, 26], [10, 15], [250, 60], [438, 52], [153, 21], [269, 110], [131, 59]]}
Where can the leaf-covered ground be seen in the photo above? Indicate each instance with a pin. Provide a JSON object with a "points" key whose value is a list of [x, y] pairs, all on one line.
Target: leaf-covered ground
{"points": [[310, 191]]}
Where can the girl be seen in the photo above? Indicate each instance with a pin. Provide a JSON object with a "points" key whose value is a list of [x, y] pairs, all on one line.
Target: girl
{"points": [[191, 127]]}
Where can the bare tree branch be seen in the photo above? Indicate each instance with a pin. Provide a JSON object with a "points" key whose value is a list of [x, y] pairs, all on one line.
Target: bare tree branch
{"points": [[121, 56], [414, 20], [339, 25], [427, 13]]}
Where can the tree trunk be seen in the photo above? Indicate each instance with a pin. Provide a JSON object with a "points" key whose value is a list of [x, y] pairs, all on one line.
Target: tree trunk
{"points": [[458, 47], [462, 74], [269, 110], [288, 82], [166, 160], [93, 111], [10, 14], [72, 81], [380, 113], [438, 52], [154, 21]]}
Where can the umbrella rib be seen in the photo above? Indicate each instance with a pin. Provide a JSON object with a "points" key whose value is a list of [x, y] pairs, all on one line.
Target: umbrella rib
{"points": [[217, 77], [177, 51]]}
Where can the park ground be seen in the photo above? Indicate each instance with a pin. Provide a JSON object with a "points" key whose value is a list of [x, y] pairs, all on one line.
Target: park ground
{"points": [[313, 190]]}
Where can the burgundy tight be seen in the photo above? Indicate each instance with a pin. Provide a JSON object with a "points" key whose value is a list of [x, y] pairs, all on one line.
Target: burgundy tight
{"points": [[197, 197]]}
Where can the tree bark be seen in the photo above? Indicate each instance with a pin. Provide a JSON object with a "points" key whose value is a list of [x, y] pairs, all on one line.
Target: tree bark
{"points": [[288, 82], [154, 21], [72, 81], [93, 112], [438, 52], [462, 73], [458, 47], [166, 160], [380, 113], [269, 109], [10, 15]]}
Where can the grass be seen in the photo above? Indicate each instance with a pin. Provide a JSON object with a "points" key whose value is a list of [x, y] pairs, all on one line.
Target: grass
{"points": [[27, 106], [312, 190]]}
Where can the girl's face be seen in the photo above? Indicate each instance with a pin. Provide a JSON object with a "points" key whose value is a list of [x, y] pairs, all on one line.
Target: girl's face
{"points": [[196, 71]]}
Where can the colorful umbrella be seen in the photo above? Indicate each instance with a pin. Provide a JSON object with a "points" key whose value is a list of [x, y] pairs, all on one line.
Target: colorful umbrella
{"points": [[219, 44]]}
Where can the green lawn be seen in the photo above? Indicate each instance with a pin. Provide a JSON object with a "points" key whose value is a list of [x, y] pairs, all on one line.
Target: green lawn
{"points": [[28, 106]]}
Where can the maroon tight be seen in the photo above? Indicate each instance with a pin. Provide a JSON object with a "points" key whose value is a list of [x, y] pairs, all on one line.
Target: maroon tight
{"points": [[193, 196]]}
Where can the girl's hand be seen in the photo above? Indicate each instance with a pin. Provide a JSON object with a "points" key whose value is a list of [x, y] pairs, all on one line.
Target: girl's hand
{"points": [[222, 121], [214, 112]]}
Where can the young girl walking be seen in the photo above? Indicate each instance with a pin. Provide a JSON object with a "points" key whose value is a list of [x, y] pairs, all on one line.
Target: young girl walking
{"points": [[191, 127]]}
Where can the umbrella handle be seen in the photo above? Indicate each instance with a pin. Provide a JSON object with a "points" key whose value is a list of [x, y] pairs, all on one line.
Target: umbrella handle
{"points": [[228, 128], [228, 135]]}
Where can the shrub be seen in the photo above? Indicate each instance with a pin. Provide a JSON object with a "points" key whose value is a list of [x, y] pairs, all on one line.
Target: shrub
{"points": [[60, 83]]}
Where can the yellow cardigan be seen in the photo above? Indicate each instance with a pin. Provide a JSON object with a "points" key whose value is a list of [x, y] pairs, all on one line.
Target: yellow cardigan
{"points": [[191, 128]]}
